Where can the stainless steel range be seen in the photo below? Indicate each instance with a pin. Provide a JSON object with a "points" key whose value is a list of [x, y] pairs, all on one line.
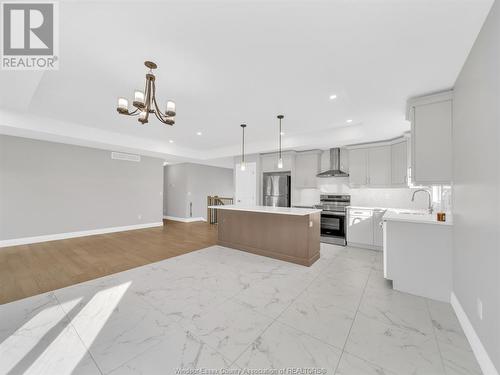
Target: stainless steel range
{"points": [[333, 218]]}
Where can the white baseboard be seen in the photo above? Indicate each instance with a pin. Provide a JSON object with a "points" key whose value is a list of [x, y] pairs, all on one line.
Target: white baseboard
{"points": [[83, 233], [480, 352], [184, 219]]}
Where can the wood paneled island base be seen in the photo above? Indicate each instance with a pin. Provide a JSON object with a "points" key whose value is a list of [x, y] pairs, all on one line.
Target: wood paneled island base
{"points": [[289, 234]]}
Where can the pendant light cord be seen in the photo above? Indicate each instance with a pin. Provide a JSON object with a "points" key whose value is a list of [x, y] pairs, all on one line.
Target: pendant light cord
{"points": [[280, 138], [243, 126]]}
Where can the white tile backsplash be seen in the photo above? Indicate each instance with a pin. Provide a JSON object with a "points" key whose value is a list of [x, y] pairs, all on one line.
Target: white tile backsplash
{"points": [[389, 198]]}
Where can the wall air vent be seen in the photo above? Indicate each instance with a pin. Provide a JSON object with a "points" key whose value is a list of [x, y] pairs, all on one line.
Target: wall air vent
{"points": [[128, 157]]}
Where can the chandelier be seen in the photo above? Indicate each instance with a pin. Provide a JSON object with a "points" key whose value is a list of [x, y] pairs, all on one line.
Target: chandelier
{"points": [[145, 102]]}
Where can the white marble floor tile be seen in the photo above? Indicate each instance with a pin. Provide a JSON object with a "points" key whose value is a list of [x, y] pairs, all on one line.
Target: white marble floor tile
{"points": [[37, 338], [458, 361], [398, 309], [180, 297], [330, 251], [336, 292], [377, 282], [316, 314], [281, 346], [179, 349], [113, 323], [358, 255], [399, 350], [446, 324], [42, 309], [228, 328], [270, 299], [351, 365]]}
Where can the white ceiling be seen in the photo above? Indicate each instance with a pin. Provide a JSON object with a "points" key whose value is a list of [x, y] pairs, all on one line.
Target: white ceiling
{"points": [[228, 62]]}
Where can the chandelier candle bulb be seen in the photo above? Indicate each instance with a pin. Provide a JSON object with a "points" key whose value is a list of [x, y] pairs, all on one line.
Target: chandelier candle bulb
{"points": [[170, 108], [142, 117], [139, 98], [122, 105]]}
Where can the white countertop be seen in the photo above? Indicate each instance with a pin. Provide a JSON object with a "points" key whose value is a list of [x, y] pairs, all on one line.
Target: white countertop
{"points": [[269, 210], [419, 217]]}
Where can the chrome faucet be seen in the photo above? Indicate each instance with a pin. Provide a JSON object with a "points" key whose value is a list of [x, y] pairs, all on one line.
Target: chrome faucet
{"points": [[429, 209]]}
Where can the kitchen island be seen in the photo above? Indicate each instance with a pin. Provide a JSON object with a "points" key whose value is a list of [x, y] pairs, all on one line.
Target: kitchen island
{"points": [[285, 233]]}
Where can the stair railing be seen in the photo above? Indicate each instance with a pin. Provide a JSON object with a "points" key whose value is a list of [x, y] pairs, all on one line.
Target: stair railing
{"points": [[216, 201]]}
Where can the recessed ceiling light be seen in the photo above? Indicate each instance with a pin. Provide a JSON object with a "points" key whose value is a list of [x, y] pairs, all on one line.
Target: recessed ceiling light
{"points": [[170, 141], [199, 133], [349, 121], [333, 97]]}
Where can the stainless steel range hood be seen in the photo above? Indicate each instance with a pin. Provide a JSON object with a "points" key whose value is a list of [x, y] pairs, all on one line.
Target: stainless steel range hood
{"points": [[334, 170]]}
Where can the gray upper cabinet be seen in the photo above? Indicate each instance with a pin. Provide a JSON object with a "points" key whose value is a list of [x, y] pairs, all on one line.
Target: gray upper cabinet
{"points": [[431, 128], [399, 164], [307, 166]]}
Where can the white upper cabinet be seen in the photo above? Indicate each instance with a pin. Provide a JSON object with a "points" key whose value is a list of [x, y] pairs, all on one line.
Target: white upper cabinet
{"points": [[358, 171], [269, 162], [307, 166], [344, 160], [379, 166], [399, 164], [431, 127]]}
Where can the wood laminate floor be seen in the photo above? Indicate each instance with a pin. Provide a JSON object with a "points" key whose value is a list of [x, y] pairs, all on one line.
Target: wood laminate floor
{"points": [[28, 270]]}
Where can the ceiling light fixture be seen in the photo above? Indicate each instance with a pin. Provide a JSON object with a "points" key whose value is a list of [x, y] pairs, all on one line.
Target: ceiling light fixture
{"points": [[242, 165], [145, 102], [170, 141], [280, 159], [349, 121], [333, 97], [199, 133]]}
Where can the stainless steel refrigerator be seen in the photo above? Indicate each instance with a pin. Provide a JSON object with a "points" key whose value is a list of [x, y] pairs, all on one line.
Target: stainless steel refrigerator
{"points": [[276, 189]]}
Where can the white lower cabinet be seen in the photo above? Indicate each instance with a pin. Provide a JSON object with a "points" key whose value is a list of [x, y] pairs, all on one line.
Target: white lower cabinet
{"points": [[418, 258], [364, 228]]}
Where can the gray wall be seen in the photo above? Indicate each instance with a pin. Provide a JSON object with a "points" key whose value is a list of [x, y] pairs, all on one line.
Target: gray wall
{"points": [[188, 182], [49, 188], [476, 144]]}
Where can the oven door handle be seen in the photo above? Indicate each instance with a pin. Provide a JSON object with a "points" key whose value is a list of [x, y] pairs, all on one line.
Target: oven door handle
{"points": [[336, 213]]}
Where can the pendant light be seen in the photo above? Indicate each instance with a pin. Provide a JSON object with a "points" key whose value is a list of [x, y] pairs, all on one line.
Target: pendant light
{"points": [[280, 159], [242, 165]]}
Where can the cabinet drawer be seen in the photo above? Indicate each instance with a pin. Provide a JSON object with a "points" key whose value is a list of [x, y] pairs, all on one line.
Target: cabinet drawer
{"points": [[360, 213]]}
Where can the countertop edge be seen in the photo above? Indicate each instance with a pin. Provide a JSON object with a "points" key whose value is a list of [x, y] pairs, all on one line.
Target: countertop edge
{"points": [[270, 210]]}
